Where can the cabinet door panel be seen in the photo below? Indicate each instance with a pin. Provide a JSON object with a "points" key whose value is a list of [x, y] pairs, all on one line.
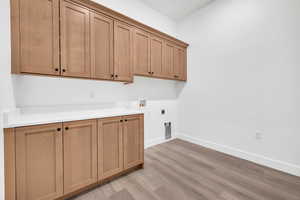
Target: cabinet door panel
{"points": [[110, 147], [157, 56], [80, 154], [102, 36], [75, 40], [168, 67], [39, 164], [123, 52], [39, 37], [180, 63], [141, 53], [133, 141]]}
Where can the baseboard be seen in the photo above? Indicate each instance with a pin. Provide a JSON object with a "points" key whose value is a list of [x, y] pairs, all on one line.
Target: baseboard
{"points": [[156, 141], [262, 160]]}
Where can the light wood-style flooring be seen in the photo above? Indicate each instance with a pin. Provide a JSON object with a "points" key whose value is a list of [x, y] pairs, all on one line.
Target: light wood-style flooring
{"points": [[179, 170]]}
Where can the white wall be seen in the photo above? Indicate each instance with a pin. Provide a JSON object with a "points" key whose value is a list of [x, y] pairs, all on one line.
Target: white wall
{"points": [[244, 77], [6, 92]]}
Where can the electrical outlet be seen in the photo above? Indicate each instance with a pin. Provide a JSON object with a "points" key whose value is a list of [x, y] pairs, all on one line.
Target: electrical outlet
{"points": [[92, 95], [258, 135], [143, 103]]}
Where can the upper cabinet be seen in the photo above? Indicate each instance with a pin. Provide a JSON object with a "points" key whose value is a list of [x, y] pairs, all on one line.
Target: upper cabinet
{"points": [[38, 37], [169, 60], [82, 39], [180, 64], [142, 43], [158, 58], [102, 46], [75, 40], [123, 52]]}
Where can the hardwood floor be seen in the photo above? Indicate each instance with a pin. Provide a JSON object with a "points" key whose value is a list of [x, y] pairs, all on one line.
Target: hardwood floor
{"points": [[179, 170]]}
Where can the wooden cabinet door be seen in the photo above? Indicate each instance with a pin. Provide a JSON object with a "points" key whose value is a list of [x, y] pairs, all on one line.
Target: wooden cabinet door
{"points": [[168, 67], [133, 134], [141, 54], [110, 147], [123, 49], [157, 57], [39, 162], [180, 63], [75, 40], [39, 37], [80, 154], [102, 40]]}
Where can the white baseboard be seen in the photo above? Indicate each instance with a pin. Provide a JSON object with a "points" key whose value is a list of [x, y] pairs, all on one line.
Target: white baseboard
{"points": [[262, 160], [156, 141]]}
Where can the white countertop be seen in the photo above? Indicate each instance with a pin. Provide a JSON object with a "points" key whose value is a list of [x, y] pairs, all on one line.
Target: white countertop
{"points": [[27, 119]]}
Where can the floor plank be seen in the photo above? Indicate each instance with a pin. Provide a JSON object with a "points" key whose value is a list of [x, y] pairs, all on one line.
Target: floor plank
{"points": [[179, 170]]}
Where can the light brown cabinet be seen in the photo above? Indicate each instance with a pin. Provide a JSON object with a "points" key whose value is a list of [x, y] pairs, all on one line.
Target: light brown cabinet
{"points": [[133, 134], [123, 52], [39, 37], [110, 147], [142, 41], [102, 41], [82, 39], [39, 162], [58, 160], [156, 59], [180, 63], [75, 40], [169, 60], [80, 154]]}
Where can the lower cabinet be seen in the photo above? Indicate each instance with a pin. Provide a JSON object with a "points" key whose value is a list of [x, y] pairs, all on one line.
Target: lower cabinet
{"points": [[133, 133], [80, 154], [39, 162], [60, 159], [110, 147]]}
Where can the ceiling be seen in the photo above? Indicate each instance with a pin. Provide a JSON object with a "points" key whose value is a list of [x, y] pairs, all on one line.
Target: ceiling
{"points": [[176, 9]]}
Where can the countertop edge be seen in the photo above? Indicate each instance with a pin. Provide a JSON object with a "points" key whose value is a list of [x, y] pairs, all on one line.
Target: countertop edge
{"points": [[16, 123]]}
